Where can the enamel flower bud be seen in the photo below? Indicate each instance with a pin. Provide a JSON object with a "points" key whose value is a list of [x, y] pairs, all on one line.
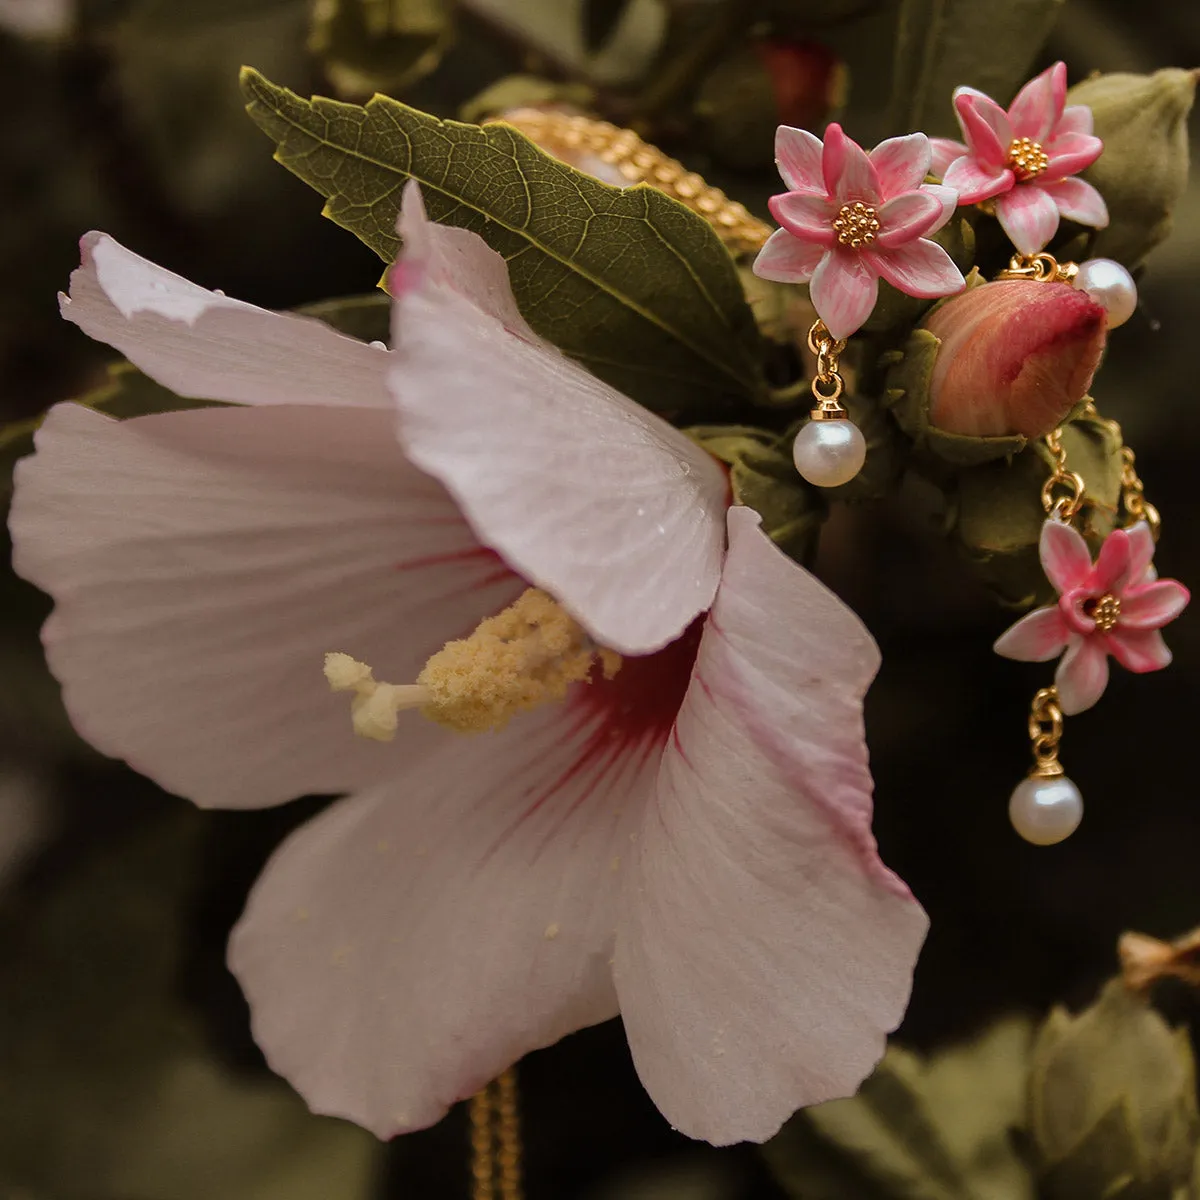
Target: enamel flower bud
{"points": [[1014, 357], [1112, 1101], [1143, 120]]}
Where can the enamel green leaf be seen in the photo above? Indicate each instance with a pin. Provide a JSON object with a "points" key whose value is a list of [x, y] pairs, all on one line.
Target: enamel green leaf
{"points": [[626, 280]]}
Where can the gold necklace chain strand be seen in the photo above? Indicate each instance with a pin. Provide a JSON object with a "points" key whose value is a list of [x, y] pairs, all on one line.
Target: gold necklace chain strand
{"points": [[1063, 507], [569, 135], [1042, 268], [496, 1141]]}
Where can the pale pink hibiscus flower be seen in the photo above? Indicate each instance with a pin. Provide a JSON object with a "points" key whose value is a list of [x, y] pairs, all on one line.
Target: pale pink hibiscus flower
{"points": [[849, 219], [1116, 606], [686, 844], [1025, 159]]}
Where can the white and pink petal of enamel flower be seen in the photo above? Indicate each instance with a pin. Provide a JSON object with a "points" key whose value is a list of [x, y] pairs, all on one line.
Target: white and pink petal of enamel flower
{"points": [[1025, 159], [849, 219], [1115, 606], [687, 844]]}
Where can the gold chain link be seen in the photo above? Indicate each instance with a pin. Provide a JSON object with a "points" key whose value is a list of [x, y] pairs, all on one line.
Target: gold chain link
{"points": [[640, 162], [1041, 268], [827, 384], [496, 1141], [1045, 732], [1133, 491], [1061, 507]]}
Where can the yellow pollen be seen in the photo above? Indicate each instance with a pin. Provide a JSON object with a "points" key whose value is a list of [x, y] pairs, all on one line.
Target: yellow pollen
{"points": [[1107, 612], [523, 657], [1026, 158], [856, 225]]}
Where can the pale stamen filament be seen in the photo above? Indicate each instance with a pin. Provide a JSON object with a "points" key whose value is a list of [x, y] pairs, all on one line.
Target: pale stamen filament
{"points": [[523, 657]]}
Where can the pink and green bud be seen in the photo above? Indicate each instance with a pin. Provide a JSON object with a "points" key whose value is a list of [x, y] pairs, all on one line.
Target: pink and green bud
{"points": [[1014, 357]]}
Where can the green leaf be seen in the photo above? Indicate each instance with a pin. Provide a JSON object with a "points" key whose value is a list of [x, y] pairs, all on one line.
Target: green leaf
{"points": [[379, 45], [943, 44], [628, 281], [763, 477], [919, 1129]]}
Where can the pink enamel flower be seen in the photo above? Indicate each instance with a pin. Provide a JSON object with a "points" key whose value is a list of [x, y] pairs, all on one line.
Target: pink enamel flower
{"points": [[849, 219], [1025, 159], [1115, 606], [685, 843]]}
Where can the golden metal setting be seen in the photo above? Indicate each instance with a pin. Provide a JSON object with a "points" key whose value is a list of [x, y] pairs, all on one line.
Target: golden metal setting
{"points": [[1133, 492], [496, 1141], [1065, 506], [856, 225], [1041, 268], [827, 384], [1026, 158], [1045, 732], [567, 134], [1106, 612]]}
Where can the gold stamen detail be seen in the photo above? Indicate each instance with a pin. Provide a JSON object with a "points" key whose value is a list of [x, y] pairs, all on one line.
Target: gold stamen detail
{"points": [[1107, 612], [1026, 158], [856, 225]]}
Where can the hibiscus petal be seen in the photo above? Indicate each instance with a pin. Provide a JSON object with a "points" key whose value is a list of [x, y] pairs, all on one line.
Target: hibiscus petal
{"points": [[1076, 118], [919, 268], [1153, 605], [1065, 556], [786, 259], [1078, 201], [907, 217], [807, 217], [583, 492], [1082, 674], [847, 170], [798, 157], [1029, 216], [901, 163], [1113, 571], [1038, 637], [1069, 155], [764, 951], [1039, 104], [974, 181], [985, 126], [945, 151], [413, 941], [206, 346], [1138, 650], [203, 563], [843, 291]]}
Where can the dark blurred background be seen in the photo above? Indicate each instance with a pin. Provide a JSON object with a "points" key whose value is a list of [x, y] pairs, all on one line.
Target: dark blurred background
{"points": [[126, 1067]]}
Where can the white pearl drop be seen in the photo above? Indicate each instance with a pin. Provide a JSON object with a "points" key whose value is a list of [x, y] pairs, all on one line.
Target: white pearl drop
{"points": [[829, 453], [1111, 286], [1045, 811]]}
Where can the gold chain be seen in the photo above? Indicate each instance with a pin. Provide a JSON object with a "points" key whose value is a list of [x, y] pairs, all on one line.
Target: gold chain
{"points": [[1061, 507], [639, 162], [1042, 268], [1045, 732], [827, 383], [496, 1140]]}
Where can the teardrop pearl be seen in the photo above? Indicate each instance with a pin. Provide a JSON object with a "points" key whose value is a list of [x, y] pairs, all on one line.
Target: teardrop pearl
{"points": [[1110, 285], [829, 453], [1045, 811]]}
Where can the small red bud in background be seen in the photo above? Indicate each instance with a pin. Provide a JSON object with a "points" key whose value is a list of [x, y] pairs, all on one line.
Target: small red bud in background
{"points": [[1016, 356], [761, 85]]}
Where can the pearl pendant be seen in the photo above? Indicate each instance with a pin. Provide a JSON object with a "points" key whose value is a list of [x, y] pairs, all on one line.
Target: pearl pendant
{"points": [[1110, 285], [1045, 810], [829, 452]]}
